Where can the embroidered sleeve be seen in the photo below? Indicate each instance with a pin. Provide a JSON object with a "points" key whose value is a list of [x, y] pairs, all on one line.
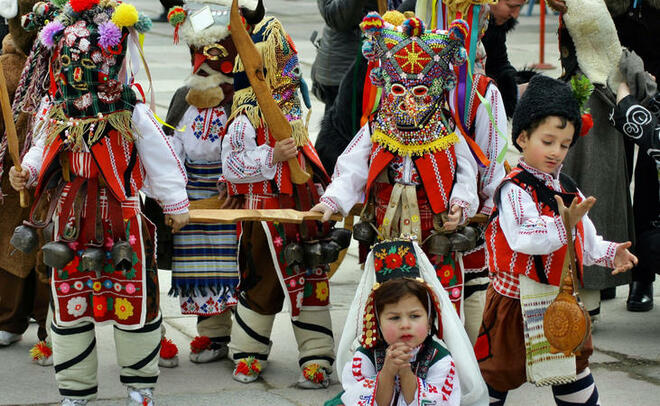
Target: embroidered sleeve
{"points": [[33, 158], [525, 229], [359, 381], [441, 386], [492, 144], [638, 124], [350, 176], [243, 161], [464, 192], [597, 251], [165, 178]]}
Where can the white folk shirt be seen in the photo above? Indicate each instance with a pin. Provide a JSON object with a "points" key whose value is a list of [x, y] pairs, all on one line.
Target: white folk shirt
{"points": [[201, 141]]}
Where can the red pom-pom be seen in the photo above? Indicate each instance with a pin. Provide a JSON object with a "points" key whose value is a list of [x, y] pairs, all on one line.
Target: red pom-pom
{"points": [[168, 349], [82, 5], [41, 350], [199, 344], [587, 124]]}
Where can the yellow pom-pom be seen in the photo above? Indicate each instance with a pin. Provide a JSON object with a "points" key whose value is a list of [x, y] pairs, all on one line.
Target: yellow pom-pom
{"points": [[125, 15], [394, 17]]}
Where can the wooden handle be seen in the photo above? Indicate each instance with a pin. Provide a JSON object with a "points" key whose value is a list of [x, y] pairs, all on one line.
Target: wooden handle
{"points": [[278, 125], [237, 215], [10, 131]]}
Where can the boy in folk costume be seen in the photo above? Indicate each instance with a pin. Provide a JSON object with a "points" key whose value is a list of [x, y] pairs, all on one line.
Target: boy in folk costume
{"points": [[23, 280], [410, 159], [204, 267], [254, 165], [526, 245], [97, 148], [403, 343]]}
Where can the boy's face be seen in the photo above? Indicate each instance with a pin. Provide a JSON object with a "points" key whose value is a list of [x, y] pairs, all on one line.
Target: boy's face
{"points": [[546, 147], [405, 321]]}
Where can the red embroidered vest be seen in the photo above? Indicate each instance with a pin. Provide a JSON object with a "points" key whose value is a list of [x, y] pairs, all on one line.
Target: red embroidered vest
{"points": [[542, 268], [281, 183], [437, 171]]}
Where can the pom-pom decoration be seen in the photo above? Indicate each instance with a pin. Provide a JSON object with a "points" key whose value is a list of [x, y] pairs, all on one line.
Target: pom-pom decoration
{"points": [[394, 17], [199, 344], [587, 124], [372, 24], [109, 35], [377, 76], [144, 23], [168, 349], [40, 8], [314, 373], [41, 350], [125, 15], [413, 27], [459, 57], [368, 50], [176, 16], [48, 33], [249, 366], [459, 30], [81, 5]]}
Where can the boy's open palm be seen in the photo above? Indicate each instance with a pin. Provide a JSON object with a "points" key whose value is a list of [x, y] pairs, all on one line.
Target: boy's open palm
{"points": [[623, 259], [576, 210]]}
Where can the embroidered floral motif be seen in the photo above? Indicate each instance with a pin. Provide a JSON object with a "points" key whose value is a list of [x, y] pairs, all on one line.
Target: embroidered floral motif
{"points": [[322, 291], [76, 306], [123, 309]]}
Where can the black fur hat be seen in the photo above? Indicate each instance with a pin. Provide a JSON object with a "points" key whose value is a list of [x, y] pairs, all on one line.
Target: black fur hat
{"points": [[545, 97]]}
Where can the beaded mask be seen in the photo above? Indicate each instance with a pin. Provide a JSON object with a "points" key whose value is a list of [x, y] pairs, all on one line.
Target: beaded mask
{"points": [[88, 41], [392, 260], [283, 76]]}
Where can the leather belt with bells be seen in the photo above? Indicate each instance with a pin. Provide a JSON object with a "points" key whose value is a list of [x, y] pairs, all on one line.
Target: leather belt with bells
{"points": [[404, 210]]}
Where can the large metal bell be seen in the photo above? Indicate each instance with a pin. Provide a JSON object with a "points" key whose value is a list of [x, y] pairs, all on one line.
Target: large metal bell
{"points": [[312, 254], [438, 244], [341, 236], [57, 254], [330, 252], [463, 240], [122, 256], [293, 253], [364, 233], [24, 239], [92, 259]]}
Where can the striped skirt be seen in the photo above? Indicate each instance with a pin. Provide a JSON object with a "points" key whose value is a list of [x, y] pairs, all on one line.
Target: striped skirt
{"points": [[204, 267]]}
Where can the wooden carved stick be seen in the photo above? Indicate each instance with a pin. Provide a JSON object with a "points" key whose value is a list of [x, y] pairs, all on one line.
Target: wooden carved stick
{"points": [[10, 130], [278, 125]]}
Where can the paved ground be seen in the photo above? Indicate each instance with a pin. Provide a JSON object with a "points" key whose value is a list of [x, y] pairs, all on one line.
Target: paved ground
{"points": [[626, 362]]}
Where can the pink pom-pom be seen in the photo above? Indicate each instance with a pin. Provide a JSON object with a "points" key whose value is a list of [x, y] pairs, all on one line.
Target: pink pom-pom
{"points": [[109, 35], [49, 32]]}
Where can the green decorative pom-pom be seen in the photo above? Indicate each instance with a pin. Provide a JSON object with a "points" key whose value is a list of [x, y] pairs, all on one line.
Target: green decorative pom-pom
{"points": [[176, 16], [144, 23]]}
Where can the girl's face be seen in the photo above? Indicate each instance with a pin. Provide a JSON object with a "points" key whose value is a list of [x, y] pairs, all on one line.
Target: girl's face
{"points": [[405, 321]]}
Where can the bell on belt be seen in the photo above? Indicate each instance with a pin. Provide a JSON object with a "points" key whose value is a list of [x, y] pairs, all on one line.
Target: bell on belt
{"points": [[293, 253], [122, 256], [329, 252], [57, 254], [24, 239], [438, 244], [341, 236], [92, 259], [463, 240], [312, 254], [364, 233]]}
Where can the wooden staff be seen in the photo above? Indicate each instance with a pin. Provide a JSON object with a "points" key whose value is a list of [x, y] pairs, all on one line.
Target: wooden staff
{"points": [[10, 130], [277, 123]]}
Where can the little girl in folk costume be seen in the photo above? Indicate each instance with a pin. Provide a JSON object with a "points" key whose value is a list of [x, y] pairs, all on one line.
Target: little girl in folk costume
{"points": [[410, 160], [96, 148], [403, 344]]}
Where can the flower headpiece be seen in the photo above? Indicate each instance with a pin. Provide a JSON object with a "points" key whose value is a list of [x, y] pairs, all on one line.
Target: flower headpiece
{"points": [[393, 260]]}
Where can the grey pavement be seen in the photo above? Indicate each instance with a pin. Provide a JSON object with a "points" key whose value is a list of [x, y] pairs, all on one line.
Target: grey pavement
{"points": [[626, 361]]}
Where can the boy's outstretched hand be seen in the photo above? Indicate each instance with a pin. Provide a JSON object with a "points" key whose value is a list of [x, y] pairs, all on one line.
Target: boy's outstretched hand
{"points": [[576, 210], [623, 259]]}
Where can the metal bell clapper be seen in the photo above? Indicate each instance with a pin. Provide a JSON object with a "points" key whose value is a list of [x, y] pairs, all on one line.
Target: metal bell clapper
{"points": [[122, 256], [364, 233], [57, 254], [293, 253], [341, 236], [92, 259], [24, 239], [438, 244], [312, 254], [330, 252]]}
